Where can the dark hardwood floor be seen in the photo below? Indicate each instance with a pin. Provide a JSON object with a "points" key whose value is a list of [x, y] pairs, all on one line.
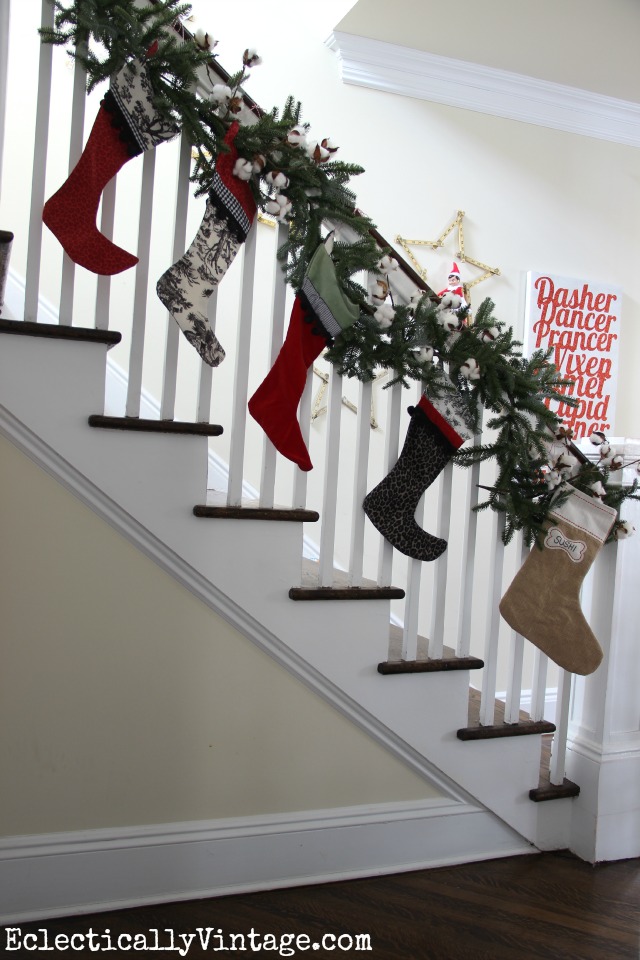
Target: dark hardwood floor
{"points": [[548, 906]]}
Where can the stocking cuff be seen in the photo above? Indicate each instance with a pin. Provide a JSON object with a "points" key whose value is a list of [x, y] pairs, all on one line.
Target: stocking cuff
{"points": [[324, 297], [450, 415], [130, 102], [229, 207], [586, 513]]}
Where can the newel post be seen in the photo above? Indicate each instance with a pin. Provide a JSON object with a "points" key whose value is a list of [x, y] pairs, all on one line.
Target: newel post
{"points": [[604, 729]]}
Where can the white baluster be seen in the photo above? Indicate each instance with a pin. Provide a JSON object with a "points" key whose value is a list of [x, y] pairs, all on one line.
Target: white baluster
{"points": [[394, 409], [463, 646], [278, 304], [539, 685], [76, 142], [330, 490], [409, 649], [34, 250], [360, 480], [5, 16], [136, 354], [103, 288], [205, 376], [301, 476], [241, 384], [170, 369], [436, 631], [488, 697], [559, 745], [516, 658]]}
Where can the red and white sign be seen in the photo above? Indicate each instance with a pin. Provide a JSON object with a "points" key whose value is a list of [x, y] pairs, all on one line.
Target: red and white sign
{"points": [[579, 321]]}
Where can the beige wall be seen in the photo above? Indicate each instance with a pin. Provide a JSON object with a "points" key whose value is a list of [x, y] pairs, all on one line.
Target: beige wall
{"points": [[124, 700], [582, 43]]}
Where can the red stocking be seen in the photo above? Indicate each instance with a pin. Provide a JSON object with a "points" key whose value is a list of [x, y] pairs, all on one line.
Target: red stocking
{"points": [[275, 403], [127, 124], [70, 213]]}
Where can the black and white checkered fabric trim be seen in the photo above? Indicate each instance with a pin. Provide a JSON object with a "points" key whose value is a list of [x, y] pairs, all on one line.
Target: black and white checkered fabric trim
{"points": [[320, 309], [227, 203]]}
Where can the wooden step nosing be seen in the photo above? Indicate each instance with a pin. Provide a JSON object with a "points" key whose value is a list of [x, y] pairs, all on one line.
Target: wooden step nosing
{"points": [[281, 514], [346, 593], [401, 667], [142, 425], [58, 331], [554, 791], [522, 729]]}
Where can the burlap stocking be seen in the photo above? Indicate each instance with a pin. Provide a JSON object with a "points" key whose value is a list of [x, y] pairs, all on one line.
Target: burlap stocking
{"points": [[543, 604]]}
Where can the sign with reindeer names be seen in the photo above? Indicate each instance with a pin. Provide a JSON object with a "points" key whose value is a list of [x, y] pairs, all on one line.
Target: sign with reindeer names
{"points": [[579, 321]]}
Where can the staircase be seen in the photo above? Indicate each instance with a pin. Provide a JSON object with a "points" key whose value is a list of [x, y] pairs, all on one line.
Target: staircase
{"points": [[371, 657]]}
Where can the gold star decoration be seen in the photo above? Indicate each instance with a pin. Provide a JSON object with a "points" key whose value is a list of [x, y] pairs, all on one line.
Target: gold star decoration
{"points": [[460, 254], [320, 407]]}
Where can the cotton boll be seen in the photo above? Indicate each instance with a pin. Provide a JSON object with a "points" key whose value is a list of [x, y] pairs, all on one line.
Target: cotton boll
{"points": [[489, 334], [623, 530], [387, 264], [297, 137], [277, 179], [552, 479], [250, 57], [243, 169], [385, 315], [221, 93], [470, 369], [424, 354], [279, 207], [317, 152], [204, 40]]}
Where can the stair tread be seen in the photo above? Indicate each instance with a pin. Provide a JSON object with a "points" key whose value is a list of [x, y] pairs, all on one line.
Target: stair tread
{"points": [[423, 662], [340, 589], [477, 731], [216, 508], [141, 424], [553, 791], [27, 328]]}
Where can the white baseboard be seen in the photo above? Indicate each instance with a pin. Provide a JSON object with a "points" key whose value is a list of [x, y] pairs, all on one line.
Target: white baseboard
{"points": [[98, 870]]}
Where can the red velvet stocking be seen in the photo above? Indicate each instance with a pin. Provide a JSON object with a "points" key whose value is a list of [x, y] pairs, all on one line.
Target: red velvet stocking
{"points": [[275, 403], [70, 213]]}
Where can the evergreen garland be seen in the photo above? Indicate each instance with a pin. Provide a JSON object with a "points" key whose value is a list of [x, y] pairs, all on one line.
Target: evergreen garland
{"points": [[429, 341]]}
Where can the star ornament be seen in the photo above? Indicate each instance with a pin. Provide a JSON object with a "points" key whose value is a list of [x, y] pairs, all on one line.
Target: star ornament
{"points": [[456, 226]]}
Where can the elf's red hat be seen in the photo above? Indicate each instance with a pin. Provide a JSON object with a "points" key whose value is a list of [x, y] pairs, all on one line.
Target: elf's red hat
{"points": [[455, 269]]}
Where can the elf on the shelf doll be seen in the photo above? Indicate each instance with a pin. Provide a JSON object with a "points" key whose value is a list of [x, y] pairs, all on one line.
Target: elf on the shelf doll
{"points": [[454, 284]]}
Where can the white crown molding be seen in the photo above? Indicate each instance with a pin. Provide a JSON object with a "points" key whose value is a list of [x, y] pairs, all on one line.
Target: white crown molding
{"points": [[96, 870], [500, 93]]}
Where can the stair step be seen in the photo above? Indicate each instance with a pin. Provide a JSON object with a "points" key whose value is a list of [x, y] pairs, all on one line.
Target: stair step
{"points": [[493, 731], [553, 791], [476, 731], [155, 426], [249, 512], [448, 661], [340, 589], [423, 662], [545, 789], [28, 328]]}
